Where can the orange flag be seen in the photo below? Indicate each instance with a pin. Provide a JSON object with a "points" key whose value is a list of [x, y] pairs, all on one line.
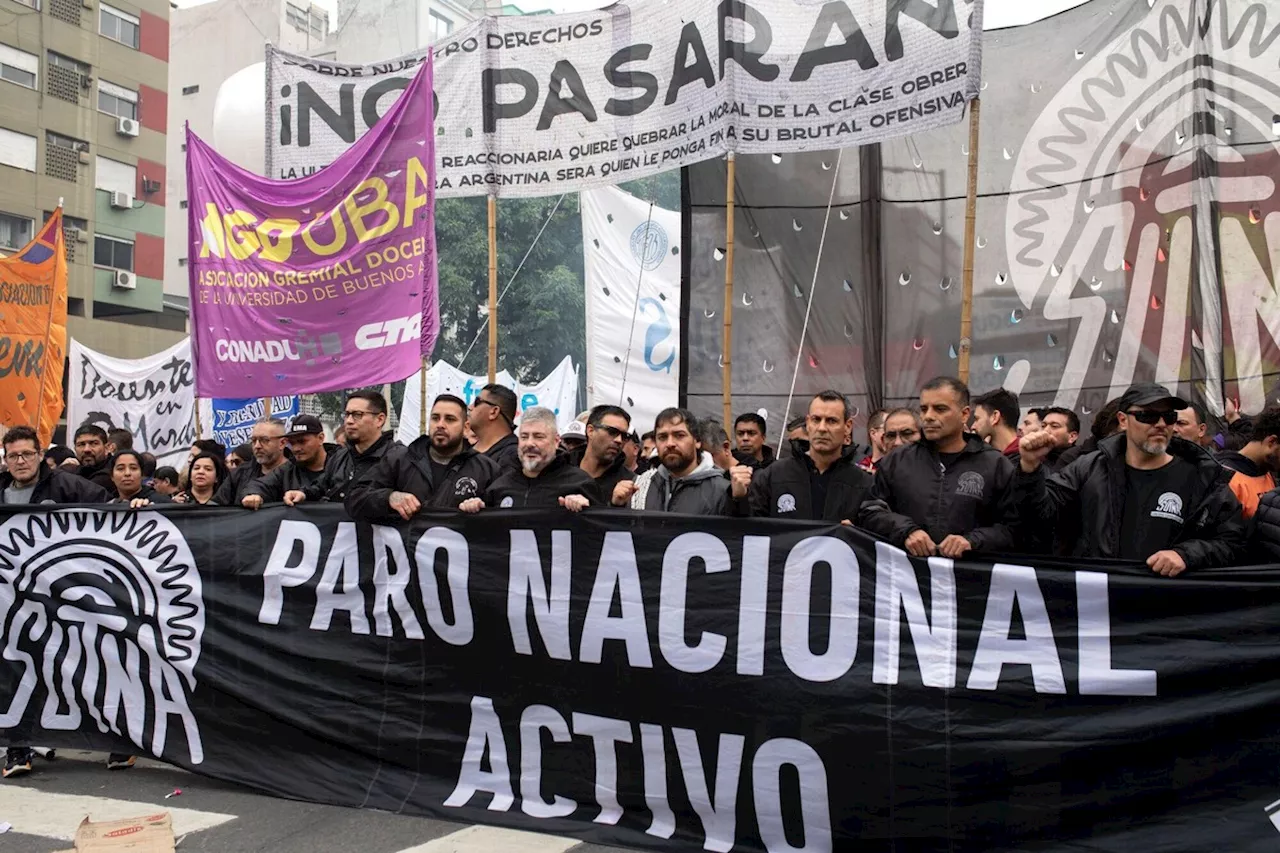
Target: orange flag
{"points": [[33, 331]]}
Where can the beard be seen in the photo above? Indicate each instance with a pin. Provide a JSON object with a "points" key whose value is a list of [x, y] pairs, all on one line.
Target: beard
{"points": [[445, 445], [534, 464], [678, 461], [1155, 446]]}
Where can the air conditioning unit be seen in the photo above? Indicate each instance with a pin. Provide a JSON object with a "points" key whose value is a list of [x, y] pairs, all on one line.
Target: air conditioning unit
{"points": [[150, 186], [76, 235], [122, 201], [85, 159], [86, 81], [124, 280], [127, 126]]}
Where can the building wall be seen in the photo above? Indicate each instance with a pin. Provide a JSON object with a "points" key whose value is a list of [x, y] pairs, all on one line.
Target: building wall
{"points": [[373, 30], [65, 101]]}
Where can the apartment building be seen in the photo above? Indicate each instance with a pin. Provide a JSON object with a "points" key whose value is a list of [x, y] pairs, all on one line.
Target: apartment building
{"points": [[84, 119]]}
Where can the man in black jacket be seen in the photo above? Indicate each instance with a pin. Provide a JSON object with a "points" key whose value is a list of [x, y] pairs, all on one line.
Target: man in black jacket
{"points": [[546, 477], [438, 470], [1145, 495], [30, 481], [753, 448], [824, 483], [95, 456], [602, 457], [362, 422], [686, 480], [947, 494], [311, 459], [267, 441], [492, 419]]}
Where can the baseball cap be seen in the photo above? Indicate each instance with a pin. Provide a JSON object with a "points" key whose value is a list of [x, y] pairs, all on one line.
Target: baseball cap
{"points": [[1148, 393], [304, 425], [575, 431]]}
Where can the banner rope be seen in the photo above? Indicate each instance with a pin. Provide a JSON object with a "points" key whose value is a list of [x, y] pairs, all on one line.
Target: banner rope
{"points": [[512, 280], [635, 309], [808, 308]]}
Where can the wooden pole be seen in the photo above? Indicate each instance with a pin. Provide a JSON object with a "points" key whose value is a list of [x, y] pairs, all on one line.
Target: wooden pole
{"points": [[970, 227], [727, 358], [199, 428], [422, 397], [493, 290], [266, 407]]}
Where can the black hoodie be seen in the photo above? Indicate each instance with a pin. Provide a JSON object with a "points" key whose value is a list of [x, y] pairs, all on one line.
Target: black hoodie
{"points": [[60, 486], [506, 452], [750, 461], [408, 469], [99, 474], [559, 479]]}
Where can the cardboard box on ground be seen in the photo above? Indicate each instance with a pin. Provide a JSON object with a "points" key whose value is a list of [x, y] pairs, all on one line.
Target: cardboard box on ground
{"points": [[149, 834]]}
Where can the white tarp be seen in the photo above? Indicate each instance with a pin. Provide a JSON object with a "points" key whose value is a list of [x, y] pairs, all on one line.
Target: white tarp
{"points": [[152, 397], [558, 392], [542, 104], [632, 262]]}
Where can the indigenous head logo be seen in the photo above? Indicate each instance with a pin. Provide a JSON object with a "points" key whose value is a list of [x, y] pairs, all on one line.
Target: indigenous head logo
{"points": [[102, 614], [1143, 209], [971, 485], [1168, 507], [649, 244], [466, 487], [787, 503]]}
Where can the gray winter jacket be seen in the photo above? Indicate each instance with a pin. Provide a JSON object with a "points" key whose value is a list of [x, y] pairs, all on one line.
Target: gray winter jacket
{"points": [[704, 492]]}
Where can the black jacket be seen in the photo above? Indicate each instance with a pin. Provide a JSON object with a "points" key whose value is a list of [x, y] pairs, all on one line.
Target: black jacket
{"points": [[557, 480], [408, 469], [236, 486], [973, 498], [506, 453], [288, 478], [146, 492], [750, 461], [350, 467], [1071, 454], [613, 475], [783, 489], [99, 475], [59, 486], [704, 492], [1266, 528], [1092, 489]]}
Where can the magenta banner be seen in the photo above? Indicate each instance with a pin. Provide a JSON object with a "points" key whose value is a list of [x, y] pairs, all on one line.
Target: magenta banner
{"points": [[320, 283]]}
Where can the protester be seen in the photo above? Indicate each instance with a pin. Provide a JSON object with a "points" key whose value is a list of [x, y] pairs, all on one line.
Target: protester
{"points": [[751, 433], [1064, 425], [715, 441], [492, 418], [130, 485], [148, 466], [686, 479], [574, 438], [602, 457], [95, 462], [1254, 466], [1145, 495], [119, 438], [901, 427], [363, 421], [290, 482], [267, 441], [27, 481], [165, 481], [647, 446], [546, 477], [60, 455], [995, 418], [947, 494], [631, 450], [241, 454], [875, 438], [1031, 422], [796, 429], [438, 470], [1106, 423], [1192, 424], [824, 483], [206, 473]]}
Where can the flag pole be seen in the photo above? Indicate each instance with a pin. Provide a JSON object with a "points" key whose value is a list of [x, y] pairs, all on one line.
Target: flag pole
{"points": [[970, 227], [493, 290], [422, 397], [266, 407], [727, 357]]}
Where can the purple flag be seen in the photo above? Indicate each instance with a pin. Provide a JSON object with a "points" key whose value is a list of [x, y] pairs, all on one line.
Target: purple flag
{"points": [[321, 283]]}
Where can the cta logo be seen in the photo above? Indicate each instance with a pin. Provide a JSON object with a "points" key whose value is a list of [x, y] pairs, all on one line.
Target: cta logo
{"points": [[390, 333]]}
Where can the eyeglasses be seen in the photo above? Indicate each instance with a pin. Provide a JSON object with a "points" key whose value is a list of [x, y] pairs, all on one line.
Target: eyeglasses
{"points": [[355, 416], [25, 456], [265, 439], [1152, 418], [904, 434]]}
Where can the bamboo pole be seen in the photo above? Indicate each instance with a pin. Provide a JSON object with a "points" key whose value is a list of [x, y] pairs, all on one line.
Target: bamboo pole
{"points": [[199, 428], [727, 358], [970, 227], [266, 407], [422, 397], [493, 290]]}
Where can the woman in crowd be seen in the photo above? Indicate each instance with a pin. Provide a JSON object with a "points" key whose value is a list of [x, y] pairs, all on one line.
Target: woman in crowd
{"points": [[204, 475], [241, 454], [126, 474]]}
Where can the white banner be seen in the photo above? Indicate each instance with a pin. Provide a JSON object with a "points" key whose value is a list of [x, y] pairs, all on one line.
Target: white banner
{"points": [[543, 104], [152, 397], [558, 392], [632, 263]]}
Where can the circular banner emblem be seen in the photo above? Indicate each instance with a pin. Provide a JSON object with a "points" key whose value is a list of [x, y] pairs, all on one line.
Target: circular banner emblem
{"points": [[649, 244]]}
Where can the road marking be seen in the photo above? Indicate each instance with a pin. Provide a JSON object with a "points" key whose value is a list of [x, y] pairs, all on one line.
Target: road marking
{"points": [[491, 839], [36, 812]]}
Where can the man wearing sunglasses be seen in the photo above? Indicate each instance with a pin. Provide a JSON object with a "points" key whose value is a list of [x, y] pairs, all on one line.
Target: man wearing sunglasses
{"points": [[492, 419], [602, 457], [1145, 494]]}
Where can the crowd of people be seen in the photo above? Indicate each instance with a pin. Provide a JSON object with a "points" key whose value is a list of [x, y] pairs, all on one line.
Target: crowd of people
{"points": [[951, 475]]}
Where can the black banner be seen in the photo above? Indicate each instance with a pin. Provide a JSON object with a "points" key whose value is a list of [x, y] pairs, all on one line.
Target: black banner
{"points": [[654, 681]]}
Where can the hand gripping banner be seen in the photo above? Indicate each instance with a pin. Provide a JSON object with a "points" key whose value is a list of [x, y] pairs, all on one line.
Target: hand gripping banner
{"points": [[321, 283], [654, 681]]}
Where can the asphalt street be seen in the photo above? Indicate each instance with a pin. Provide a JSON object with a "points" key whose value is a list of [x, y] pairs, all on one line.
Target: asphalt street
{"points": [[209, 816]]}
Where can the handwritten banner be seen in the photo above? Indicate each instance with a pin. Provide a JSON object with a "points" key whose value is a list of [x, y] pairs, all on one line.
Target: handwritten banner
{"points": [[229, 422], [33, 331], [152, 397], [318, 284]]}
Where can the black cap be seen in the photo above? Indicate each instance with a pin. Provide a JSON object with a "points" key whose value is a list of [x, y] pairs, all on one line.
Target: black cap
{"points": [[304, 425], [1148, 393]]}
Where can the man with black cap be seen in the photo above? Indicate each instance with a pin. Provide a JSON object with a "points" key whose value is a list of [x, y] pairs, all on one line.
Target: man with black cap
{"points": [[291, 481], [1145, 494]]}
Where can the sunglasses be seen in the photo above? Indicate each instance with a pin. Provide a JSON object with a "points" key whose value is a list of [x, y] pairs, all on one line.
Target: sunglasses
{"points": [[1152, 418], [614, 432]]}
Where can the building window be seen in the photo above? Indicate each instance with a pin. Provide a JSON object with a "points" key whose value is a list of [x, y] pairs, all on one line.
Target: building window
{"points": [[117, 100], [32, 4], [298, 18], [115, 177], [60, 61], [182, 205], [118, 26], [190, 90], [19, 67], [72, 228], [441, 27], [62, 156], [67, 78], [112, 253], [17, 150], [75, 307], [15, 231], [182, 262]]}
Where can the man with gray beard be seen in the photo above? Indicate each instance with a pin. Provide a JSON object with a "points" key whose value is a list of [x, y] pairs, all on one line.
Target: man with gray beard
{"points": [[546, 477]]}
